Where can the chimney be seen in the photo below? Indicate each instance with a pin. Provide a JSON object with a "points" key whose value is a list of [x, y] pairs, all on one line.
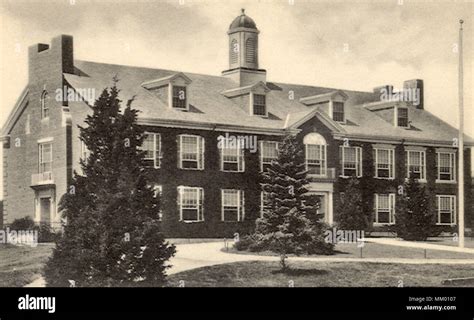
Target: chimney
{"points": [[384, 92], [413, 90], [55, 59]]}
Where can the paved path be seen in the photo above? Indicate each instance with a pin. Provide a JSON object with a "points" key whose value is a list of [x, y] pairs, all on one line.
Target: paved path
{"points": [[196, 255], [419, 245]]}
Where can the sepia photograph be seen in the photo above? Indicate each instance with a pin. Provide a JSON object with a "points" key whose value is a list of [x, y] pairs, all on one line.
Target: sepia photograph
{"points": [[256, 144]]}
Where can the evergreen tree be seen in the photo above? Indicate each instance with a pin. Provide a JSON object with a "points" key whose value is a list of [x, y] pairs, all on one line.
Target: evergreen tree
{"points": [[287, 225], [414, 219], [111, 232], [350, 213]]}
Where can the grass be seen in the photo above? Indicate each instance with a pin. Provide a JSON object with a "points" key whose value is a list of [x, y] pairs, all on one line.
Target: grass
{"points": [[320, 274], [19, 265]]}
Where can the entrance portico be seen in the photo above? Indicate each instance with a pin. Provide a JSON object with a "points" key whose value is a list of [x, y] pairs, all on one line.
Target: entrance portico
{"points": [[324, 190]]}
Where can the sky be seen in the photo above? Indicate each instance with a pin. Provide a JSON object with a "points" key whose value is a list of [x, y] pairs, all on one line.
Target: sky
{"points": [[354, 45]]}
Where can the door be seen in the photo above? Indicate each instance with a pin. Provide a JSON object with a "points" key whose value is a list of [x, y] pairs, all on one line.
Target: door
{"points": [[45, 210]]}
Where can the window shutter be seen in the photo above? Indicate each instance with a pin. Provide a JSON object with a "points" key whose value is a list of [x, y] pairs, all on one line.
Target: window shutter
{"points": [[201, 204], [178, 146], [201, 153], [242, 205], [178, 203], [359, 160]]}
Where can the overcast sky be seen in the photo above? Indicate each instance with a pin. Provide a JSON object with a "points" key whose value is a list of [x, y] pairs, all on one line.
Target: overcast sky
{"points": [[304, 42]]}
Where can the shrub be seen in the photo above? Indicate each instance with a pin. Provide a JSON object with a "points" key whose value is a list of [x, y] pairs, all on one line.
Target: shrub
{"points": [[25, 223]]}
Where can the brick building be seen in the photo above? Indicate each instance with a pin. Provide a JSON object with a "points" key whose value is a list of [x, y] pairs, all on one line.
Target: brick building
{"points": [[210, 191]]}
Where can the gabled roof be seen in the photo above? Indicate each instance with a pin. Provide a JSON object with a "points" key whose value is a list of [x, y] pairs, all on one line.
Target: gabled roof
{"points": [[18, 108], [210, 108], [324, 97]]}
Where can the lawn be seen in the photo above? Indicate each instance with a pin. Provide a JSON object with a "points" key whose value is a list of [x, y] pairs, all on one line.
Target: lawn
{"points": [[19, 265], [319, 274]]}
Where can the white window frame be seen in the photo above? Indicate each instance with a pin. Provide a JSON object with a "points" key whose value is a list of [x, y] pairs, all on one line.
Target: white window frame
{"points": [[158, 190], [390, 209], [408, 157], [158, 156], [253, 104], [41, 160], [322, 159], [452, 160], [172, 97], [240, 206], [396, 117], [264, 159], [200, 147], [358, 163], [198, 206], [85, 152], [44, 105], [343, 111], [239, 155], [452, 211], [262, 202], [391, 163]]}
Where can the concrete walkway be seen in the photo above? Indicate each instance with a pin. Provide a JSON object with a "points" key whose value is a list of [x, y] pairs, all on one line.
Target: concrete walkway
{"points": [[418, 245], [195, 255]]}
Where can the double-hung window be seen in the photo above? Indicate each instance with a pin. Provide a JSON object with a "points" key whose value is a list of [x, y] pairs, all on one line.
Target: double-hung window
{"points": [[268, 153], [384, 208], [152, 147], [384, 163], [259, 105], [446, 166], [232, 155], [416, 164], [179, 97], [158, 191], [402, 117], [338, 111], [264, 198], [233, 205], [351, 161], [45, 157], [316, 159], [446, 208], [190, 204], [190, 152]]}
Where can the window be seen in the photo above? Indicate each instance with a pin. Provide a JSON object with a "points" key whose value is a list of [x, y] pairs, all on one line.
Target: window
{"points": [[190, 204], [402, 117], [446, 166], [315, 148], [85, 152], [45, 157], [384, 163], [351, 161], [232, 205], [152, 147], [264, 198], [191, 152], [232, 156], [44, 105], [384, 209], [250, 51], [158, 191], [446, 207], [268, 152], [179, 97], [338, 111], [416, 164], [259, 105], [234, 51]]}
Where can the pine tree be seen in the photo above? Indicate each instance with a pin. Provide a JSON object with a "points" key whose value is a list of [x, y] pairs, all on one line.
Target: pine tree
{"points": [[111, 232], [350, 213], [414, 219], [287, 225]]}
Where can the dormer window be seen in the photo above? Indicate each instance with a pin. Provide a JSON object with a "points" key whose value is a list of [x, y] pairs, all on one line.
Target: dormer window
{"points": [[179, 97], [402, 117], [338, 111], [259, 105]]}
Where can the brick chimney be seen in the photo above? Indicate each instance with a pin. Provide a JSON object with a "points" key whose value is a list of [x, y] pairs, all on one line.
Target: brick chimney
{"points": [[45, 60], [414, 90], [384, 92]]}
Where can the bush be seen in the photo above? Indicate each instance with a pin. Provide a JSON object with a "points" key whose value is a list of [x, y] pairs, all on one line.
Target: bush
{"points": [[25, 223]]}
